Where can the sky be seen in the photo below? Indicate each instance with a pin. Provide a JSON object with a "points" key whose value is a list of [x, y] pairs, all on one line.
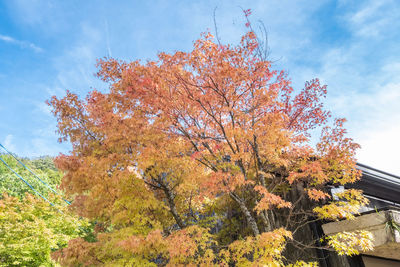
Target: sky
{"points": [[47, 47]]}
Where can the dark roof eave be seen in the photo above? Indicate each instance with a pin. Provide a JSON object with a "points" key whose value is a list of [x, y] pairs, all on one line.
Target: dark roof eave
{"points": [[378, 184]]}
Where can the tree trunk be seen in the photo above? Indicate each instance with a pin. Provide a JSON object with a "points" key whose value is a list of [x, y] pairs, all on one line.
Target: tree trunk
{"points": [[249, 218], [172, 207]]}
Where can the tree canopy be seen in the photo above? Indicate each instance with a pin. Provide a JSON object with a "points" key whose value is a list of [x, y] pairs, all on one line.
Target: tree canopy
{"points": [[204, 158], [30, 228], [43, 166]]}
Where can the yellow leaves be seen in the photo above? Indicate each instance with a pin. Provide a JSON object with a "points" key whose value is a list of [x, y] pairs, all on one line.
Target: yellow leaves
{"points": [[351, 243], [137, 210], [353, 196], [304, 264], [241, 249], [264, 249], [336, 211], [274, 239], [353, 201]]}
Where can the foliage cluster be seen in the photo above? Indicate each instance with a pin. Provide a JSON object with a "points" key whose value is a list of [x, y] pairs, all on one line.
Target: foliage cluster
{"points": [[30, 229], [43, 166]]}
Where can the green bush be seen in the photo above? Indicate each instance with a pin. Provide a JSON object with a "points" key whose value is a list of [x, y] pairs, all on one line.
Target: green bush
{"points": [[30, 229]]}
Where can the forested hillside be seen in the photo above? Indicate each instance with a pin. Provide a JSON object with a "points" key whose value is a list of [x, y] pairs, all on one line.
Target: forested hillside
{"points": [[43, 167], [30, 227]]}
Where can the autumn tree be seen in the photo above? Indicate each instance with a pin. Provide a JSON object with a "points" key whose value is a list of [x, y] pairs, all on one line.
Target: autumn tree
{"points": [[204, 158]]}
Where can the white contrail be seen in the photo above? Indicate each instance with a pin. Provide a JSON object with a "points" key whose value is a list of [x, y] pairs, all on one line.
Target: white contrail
{"points": [[21, 44], [108, 40]]}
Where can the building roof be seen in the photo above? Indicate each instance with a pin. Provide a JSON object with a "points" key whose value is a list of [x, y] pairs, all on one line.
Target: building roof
{"points": [[378, 184]]}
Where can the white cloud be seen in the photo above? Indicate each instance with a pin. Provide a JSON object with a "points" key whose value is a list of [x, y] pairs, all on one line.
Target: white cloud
{"points": [[76, 64], [8, 143], [362, 74], [46, 14], [54, 91], [380, 148], [42, 146], [43, 107], [21, 44], [374, 18], [374, 116]]}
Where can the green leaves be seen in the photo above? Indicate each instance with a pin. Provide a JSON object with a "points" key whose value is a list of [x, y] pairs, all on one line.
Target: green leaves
{"points": [[30, 229], [43, 167]]}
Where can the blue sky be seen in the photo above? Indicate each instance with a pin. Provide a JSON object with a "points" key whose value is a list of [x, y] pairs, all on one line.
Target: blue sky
{"points": [[47, 47]]}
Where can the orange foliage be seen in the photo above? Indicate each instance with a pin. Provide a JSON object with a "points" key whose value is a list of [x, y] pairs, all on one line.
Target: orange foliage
{"points": [[317, 195], [176, 144]]}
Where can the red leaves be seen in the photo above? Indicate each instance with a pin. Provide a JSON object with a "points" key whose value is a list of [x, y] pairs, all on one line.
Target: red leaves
{"points": [[152, 244], [182, 247], [305, 111], [247, 12]]}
